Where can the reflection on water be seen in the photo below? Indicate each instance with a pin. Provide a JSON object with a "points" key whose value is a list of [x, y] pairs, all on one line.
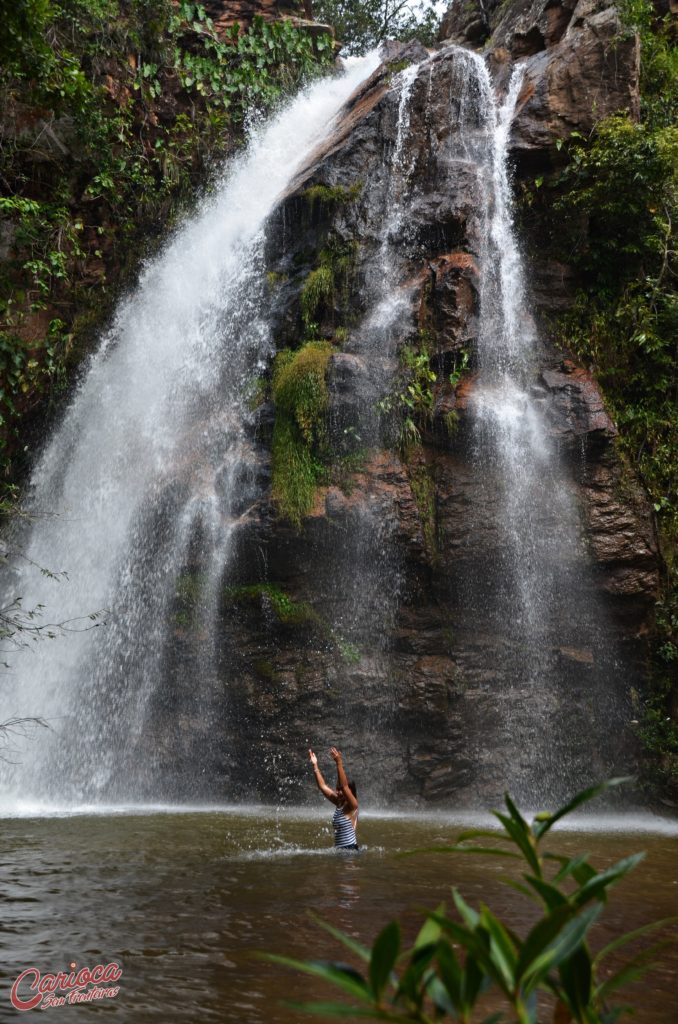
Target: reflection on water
{"points": [[183, 901]]}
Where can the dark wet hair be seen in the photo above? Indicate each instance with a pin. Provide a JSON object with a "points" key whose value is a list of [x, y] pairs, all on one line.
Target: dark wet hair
{"points": [[353, 789]]}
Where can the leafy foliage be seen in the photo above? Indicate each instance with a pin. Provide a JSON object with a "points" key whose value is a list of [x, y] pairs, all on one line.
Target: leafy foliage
{"points": [[360, 27], [457, 958], [136, 100], [424, 494], [273, 599], [318, 290], [410, 403], [332, 195], [327, 286]]}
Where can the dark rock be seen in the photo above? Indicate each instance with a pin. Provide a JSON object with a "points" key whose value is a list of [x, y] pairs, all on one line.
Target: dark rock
{"points": [[581, 64], [577, 414], [589, 73], [399, 558]]}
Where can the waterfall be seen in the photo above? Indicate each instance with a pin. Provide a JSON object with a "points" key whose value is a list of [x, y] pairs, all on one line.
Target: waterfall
{"points": [[556, 725], [143, 494], [146, 475]]}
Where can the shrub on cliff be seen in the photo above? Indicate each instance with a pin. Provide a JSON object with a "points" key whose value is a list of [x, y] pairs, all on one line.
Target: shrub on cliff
{"points": [[112, 113]]}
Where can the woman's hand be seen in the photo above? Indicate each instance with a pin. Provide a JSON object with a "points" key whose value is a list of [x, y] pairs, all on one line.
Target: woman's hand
{"points": [[335, 754], [313, 759]]}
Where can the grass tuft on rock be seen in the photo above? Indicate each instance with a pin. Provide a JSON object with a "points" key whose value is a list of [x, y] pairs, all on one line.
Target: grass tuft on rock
{"points": [[271, 597], [318, 291], [299, 389]]}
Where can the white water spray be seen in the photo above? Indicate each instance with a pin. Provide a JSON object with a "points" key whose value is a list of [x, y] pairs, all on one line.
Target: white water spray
{"points": [[145, 477], [537, 593]]}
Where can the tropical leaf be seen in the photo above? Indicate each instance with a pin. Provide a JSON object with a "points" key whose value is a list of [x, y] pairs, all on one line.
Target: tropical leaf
{"points": [[515, 814], [451, 973], [532, 969], [596, 887], [384, 955], [430, 930], [623, 940], [356, 947], [541, 827], [519, 887], [502, 950], [576, 976], [468, 914], [522, 839], [633, 969], [437, 991], [551, 896], [481, 833], [569, 866], [340, 975], [541, 936]]}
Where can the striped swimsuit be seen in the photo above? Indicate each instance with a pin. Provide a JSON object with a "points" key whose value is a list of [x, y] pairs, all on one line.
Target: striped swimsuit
{"points": [[344, 832]]}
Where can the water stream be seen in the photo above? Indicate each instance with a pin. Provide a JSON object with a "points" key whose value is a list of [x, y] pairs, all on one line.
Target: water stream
{"points": [[145, 477], [563, 712]]}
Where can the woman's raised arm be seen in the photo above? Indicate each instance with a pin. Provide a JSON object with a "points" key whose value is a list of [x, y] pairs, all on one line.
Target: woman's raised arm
{"points": [[342, 781], [322, 785]]}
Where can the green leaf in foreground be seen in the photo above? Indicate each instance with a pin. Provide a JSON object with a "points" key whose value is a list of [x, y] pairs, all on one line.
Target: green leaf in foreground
{"points": [[458, 957], [384, 955]]}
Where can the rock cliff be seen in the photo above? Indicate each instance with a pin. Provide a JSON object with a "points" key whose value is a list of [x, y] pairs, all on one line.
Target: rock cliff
{"points": [[370, 624], [581, 64]]}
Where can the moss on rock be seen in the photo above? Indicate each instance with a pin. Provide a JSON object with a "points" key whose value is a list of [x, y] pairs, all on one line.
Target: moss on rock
{"points": [[301, 397]]}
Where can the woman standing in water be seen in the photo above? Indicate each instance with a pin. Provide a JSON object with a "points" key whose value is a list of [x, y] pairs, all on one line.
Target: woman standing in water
{"points": [[345, 820]]}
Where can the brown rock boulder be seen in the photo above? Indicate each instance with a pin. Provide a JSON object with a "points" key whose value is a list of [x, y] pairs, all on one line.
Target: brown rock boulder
{"points": [[581, 64]]}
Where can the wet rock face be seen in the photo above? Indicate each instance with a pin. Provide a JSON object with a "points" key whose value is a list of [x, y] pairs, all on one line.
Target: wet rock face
{"points": [[581, 64], [401, 660]]}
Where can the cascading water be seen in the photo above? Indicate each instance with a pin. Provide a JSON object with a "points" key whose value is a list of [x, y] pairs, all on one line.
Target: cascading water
{"points": [[367, 577], [153, 472], [146, 477], [555, 728]]}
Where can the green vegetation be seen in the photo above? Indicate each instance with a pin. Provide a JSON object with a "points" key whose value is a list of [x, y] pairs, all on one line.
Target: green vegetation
{"points": [[188, 592], [299, 449], [271, 597], [265, 669], [274, 279], [318, 290], [350, 653], [424, 493], [343, 468], [332, 275], [112, 112], [614, 216], [332, 195], [457, 958], [410, 404], [360, 27]]}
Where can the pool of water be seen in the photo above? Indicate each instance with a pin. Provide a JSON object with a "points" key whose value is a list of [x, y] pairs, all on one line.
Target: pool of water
{"points": [[183, 901]]}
